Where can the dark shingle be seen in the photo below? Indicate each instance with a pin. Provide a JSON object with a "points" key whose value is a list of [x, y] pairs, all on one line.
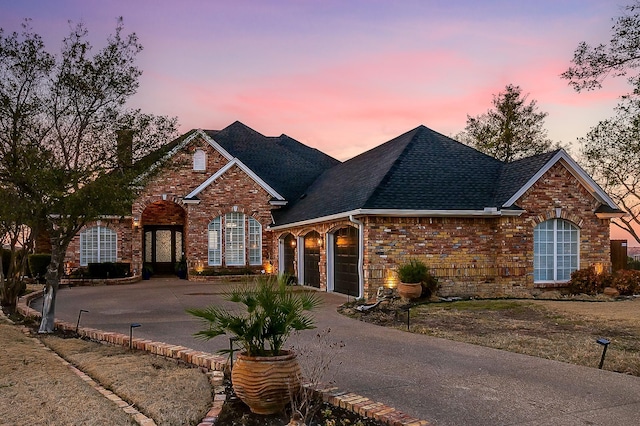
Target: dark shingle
{"points": [[283, 163], [419, 170]]}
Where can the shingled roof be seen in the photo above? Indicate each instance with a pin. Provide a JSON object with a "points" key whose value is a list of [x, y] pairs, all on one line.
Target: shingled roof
{"points": [[285, 164], [419, 170]]}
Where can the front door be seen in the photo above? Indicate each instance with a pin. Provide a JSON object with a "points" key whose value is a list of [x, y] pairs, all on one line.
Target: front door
{"points": [[162, 247]]}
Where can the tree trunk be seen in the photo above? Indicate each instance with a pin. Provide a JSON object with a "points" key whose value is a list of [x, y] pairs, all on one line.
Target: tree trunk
{"points": [[47, 324]]}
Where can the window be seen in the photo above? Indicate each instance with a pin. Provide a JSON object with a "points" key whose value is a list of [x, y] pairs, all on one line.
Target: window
{"points": [[215, 249], [98, 245], [234, 239], [238, 246], [255, 242], [555, 250], [199, 160]]}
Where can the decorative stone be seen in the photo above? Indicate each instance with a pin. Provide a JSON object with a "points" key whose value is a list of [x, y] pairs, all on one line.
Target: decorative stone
{"points": [[610, 291]]}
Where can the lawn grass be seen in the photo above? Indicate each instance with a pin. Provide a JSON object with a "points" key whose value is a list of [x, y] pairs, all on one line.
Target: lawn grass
{"points": [[561, 331]]}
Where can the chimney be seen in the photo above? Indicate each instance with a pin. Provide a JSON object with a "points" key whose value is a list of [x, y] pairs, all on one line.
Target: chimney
{"points": [[124, 148]]}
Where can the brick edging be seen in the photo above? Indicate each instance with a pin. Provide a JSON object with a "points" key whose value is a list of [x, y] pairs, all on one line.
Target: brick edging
{"points": [[217, 364]]}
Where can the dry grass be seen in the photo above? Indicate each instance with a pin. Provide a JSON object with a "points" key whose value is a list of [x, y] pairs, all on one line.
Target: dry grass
{"points": [[36, 388], [563, 331], [163, 390]]}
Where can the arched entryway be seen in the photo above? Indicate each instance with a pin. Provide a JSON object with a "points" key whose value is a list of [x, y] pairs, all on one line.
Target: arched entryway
{"points": [[312, 242], [163, 236], [288, 254], [345, 261]]}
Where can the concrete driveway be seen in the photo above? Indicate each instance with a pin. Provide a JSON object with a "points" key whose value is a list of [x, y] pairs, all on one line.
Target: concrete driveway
{"points": [[445, 382]]}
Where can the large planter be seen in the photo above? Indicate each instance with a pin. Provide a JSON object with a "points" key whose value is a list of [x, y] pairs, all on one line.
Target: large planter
{"points": [[409, 290], [265, 383]]}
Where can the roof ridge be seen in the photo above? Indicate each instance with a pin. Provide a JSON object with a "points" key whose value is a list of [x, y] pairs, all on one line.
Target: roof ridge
{"points": [[416, 131]]}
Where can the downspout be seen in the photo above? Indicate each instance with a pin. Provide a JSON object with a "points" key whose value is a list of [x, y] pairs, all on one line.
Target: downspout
{"points": [[360, 254]]}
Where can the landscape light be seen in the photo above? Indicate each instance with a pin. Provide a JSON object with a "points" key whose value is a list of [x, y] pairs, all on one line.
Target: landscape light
{"points": [[131, 327], [79, 315], [605, 343]]}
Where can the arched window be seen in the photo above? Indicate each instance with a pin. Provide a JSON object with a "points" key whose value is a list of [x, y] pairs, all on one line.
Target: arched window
{"points": [[238, 246], [555, 250], [98, 245], [199, 160]]}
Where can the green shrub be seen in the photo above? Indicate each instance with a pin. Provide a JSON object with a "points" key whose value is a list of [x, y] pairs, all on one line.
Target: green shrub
{"points": [[413, 272], [38, 264], [626, 282], [588, 281], [633, 264], [224, 272], [108, 270]]}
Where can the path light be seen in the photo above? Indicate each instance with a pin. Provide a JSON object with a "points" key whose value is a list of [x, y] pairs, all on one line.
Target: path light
{"points": [[605, 343], [79, 315], [131, 327]]}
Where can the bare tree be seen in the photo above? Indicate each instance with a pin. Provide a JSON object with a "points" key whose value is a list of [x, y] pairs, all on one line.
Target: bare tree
{"points": [[60, 117], [611, 149]]}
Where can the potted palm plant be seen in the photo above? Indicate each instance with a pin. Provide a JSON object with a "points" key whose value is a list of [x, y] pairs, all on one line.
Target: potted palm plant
{"points": [[411, 275], [264, 374]]}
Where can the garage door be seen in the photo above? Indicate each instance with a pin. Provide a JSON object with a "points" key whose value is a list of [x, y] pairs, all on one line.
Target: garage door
{"points": [[345, 250], [312, 259]]}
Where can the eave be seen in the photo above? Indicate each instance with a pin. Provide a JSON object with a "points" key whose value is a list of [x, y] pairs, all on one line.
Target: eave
{"points": [[486, 212]]}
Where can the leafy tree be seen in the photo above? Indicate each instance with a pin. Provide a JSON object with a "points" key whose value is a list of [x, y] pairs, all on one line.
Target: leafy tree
{"points": [[620, 57], [611, 149], [61, 119], [514, 129]]}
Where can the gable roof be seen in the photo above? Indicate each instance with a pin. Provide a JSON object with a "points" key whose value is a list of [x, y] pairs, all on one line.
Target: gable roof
{"points": [[285, 164], [423, 172]]}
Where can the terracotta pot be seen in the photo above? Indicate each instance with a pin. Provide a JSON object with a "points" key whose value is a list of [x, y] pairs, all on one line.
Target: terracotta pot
{"points": [[409, 291], [265, 383]]}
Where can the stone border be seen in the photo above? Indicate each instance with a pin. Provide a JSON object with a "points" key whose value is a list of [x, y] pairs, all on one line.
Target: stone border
{"points": [[215, 365]]}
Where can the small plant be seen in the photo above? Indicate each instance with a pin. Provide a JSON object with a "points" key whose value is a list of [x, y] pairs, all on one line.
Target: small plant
{"points": [[413, 272], [272, 311], [627, 282], [588, 281]]}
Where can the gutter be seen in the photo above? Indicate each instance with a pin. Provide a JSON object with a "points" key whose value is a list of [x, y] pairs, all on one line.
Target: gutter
{"points": [[360, 255], [486, 212]]}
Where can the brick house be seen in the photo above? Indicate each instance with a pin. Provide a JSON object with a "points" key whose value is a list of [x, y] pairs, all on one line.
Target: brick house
{"points": [[236, 200]]}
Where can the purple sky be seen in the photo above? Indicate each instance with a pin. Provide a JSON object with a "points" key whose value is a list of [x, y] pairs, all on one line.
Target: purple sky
{"points": [[344, 76]]}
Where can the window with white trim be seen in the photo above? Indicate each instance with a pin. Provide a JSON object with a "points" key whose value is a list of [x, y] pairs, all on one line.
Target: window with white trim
{"points": [[555, 250], [215, 242], [98, 244], [255, 242], [199, 160], [238, 245]]}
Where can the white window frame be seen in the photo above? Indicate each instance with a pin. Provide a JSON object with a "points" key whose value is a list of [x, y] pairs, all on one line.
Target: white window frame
{"points": [[104, 245], [558, 230], [199, 160], [255, 242], [215, 242], [242, 237], [234, 239]]}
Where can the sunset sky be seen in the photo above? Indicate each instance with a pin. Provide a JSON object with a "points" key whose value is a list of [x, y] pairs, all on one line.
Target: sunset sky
{"points": [[345, 76]]}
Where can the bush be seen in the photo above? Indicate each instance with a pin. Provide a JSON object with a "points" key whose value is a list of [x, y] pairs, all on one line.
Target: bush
{"points": [[626, 282], [413, 272], [223, 272], [633, 264], [108, 270], [588, 281], [38, 264]]}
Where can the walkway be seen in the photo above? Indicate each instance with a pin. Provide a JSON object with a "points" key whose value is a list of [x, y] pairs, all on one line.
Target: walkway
{"points": [[445, 382]]}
